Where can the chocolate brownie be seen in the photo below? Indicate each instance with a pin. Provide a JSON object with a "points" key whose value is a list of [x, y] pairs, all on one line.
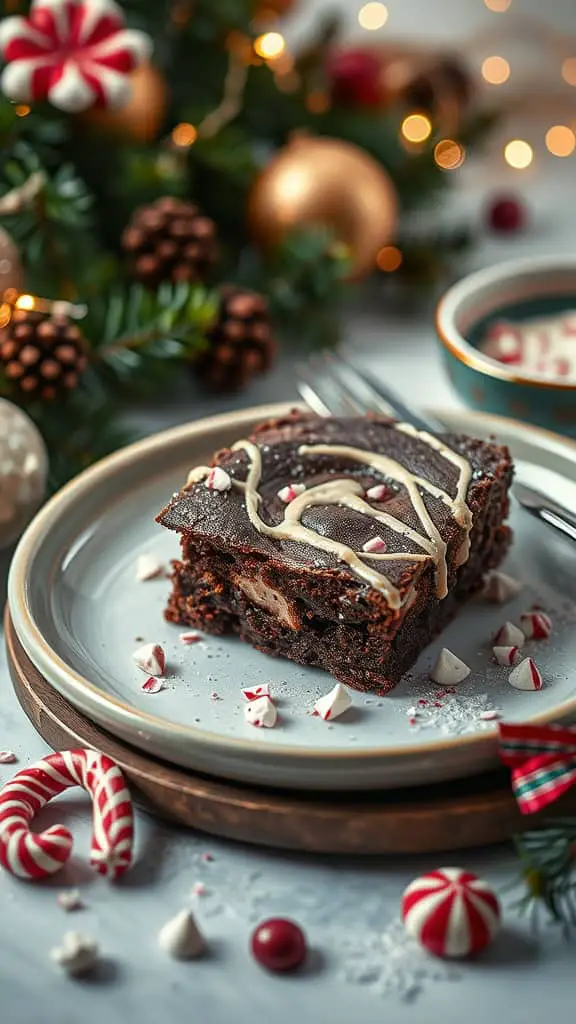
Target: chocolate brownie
{"points": [[341, 543]]}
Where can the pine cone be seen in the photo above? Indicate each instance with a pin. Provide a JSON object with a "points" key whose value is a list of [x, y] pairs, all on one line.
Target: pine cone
{"points": [[240, 342], [42, 355], [170, 240]]}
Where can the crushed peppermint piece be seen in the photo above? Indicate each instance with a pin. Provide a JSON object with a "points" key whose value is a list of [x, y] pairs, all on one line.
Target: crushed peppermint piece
{"points": [[151, 659], [69, 900], [449, 670], [507, 655], [148, 567], [217, 479], [526, 676], [7, 757], [536, 625], [207, 858], [376, 545], [254, 692], [490, 715], [77, 955], [500, 588], [509, 635], [261, 713], [199, 889], [333, 704], [412, 710], [291, 491], [153, 685], [190, 638], [378, 492]]}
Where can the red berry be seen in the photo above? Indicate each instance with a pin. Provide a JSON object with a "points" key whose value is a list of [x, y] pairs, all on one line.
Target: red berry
{"points": [[506, 214], [278, 944], [355, 78]]}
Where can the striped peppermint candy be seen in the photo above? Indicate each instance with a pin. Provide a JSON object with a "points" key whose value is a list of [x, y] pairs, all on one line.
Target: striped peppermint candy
{"points": [[451, 912], [33, 855], [75, 53]]}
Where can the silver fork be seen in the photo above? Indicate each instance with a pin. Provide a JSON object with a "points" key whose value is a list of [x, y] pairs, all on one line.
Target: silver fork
{"points": [[332, 386]]}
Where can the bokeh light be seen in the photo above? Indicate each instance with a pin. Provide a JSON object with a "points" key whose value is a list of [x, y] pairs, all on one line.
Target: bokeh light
{"points": [[560, 140], [22, 110], [389, 259], [184, 134], [518, 153], [25, 302], [373, 16], [498, 6], [569, 70], [449, 155], [416, 127], [270, 45], [495, 70]]}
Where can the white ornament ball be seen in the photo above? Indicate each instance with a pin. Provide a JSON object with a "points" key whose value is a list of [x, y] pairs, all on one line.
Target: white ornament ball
{"points": [[23, 471]]}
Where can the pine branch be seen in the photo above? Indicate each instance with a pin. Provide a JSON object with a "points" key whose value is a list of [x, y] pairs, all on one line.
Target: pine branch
{"points": [[548, 859]]}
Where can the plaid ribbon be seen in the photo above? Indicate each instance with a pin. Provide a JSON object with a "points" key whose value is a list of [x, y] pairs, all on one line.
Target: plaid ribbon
{"points": [[543, 763]]}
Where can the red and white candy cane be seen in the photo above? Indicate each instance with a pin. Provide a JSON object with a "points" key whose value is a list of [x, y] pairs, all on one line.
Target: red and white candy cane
{"points": [[33, 855]]}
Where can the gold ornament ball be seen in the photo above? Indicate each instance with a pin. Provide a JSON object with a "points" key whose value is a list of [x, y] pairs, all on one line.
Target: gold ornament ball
{"points": [[141, 118], [329, 183], [11, 273]]}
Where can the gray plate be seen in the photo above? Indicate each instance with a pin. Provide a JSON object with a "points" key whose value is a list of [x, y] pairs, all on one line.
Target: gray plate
{"points": [[78, 611]]}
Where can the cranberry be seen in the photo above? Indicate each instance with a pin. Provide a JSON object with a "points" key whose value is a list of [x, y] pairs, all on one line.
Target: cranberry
{"points": [[278, 944]]}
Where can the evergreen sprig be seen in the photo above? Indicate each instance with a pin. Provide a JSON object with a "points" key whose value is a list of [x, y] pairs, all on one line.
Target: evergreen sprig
{"points": [[548, 859]]}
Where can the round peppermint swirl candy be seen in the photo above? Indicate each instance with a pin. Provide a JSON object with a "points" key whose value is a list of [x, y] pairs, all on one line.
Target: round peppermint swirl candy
{"points": [[451, 912]]}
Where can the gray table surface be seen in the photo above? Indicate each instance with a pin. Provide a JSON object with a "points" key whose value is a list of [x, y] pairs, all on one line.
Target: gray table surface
{"points": [[362, 968]]}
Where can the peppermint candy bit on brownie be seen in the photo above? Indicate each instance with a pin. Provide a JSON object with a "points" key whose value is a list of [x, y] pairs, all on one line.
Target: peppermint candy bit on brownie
{"points": [[151, 659], [254, 692], [500, 588], [374, 546], [526, 676], [7, 757], [507, 655], [291, 491], [536, 625], [333, 704], [449, 669], [148, 567], [509, 635], [217, 480], [378, 493], [261, 713]]}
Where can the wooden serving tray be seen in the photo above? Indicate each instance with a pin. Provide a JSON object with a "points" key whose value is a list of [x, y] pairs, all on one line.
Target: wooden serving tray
{"points": [[452, 816]]}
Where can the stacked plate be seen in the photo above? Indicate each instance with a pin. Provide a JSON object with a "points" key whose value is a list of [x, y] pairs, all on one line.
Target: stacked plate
{"points": [[79, 613]]}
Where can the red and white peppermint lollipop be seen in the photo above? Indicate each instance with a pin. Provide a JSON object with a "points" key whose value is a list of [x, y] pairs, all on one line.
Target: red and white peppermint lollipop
{"points": [[451, 912], [34, 855], [75, 53]]}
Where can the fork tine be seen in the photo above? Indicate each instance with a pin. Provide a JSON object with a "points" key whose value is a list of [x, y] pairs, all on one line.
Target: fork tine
{"points": [[323, 391], [364, 393]]}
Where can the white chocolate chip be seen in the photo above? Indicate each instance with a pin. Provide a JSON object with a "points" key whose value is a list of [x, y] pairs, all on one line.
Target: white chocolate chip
{"points": [[509, 635], [147, 567], [500, 588], [77, 955], [448, 669], [181, 938]]}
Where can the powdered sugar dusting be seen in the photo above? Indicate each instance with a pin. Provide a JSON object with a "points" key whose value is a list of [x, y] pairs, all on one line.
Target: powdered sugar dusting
{"points": [[393, 963], [453, 714]]}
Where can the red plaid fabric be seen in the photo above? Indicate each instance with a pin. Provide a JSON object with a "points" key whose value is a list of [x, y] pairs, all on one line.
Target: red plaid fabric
{"points": [[543, 762]]}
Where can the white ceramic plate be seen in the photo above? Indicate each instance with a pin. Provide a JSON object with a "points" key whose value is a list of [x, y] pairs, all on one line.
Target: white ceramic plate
{"points": [[78, 611]]}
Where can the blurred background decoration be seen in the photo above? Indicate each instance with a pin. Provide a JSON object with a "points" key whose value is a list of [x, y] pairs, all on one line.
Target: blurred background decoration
{"points": [[218, 180]]}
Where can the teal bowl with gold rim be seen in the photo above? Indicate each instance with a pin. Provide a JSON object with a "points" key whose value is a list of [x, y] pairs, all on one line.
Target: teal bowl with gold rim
{"points": [[515, 291]]}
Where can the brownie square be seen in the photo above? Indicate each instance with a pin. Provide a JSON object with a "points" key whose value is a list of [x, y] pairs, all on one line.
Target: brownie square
{"points": [[346, 544]]}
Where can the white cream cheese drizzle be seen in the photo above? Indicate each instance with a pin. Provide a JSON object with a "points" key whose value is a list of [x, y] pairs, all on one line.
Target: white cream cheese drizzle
{"points": [[348, 492]]}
